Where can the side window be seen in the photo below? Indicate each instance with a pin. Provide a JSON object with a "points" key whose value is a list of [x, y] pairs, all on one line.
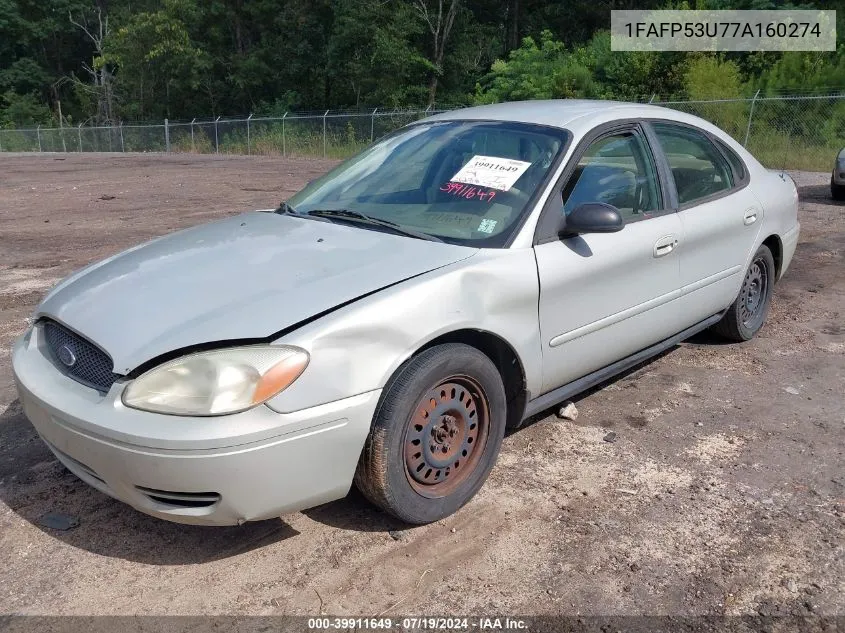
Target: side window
{"points": [[699, 169], [734, 160], [618, 170]]}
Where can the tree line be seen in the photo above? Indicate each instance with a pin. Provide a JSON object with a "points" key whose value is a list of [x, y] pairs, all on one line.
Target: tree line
{"points": [[105, 61]]}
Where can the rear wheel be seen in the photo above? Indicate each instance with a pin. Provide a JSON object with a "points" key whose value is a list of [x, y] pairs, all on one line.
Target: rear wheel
{"points": [[747, 314], [436, 434]]}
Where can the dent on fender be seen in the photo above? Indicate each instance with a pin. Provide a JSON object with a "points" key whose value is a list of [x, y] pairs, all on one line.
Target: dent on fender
{"points": [[357, 348]]}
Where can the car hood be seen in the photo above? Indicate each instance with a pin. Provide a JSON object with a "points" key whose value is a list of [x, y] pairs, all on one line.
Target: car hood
{"points": [[248, 276]]}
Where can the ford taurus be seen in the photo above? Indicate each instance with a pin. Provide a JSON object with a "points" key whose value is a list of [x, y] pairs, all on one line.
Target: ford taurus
{"points": [[385, 325]]}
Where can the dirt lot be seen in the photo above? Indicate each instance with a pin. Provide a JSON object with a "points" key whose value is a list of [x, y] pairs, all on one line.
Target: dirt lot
{"points": [[723, 492]]}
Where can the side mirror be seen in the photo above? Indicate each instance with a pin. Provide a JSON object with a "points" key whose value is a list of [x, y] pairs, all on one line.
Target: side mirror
{"points": [[592, 217]]}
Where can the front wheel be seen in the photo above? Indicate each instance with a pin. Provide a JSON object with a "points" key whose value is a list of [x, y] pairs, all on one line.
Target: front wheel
{"points": [[436, 434], [747, 314], [837, 192]]}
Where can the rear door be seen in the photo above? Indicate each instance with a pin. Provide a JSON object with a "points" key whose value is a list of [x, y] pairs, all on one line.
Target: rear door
{"points": [[720, 216], [606, 296]]}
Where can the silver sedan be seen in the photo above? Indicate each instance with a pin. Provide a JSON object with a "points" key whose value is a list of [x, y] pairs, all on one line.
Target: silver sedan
{"points": [[385, 325]]}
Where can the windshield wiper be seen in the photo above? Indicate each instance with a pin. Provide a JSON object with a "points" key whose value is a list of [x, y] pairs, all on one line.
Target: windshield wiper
{"points": [[360, 218]]}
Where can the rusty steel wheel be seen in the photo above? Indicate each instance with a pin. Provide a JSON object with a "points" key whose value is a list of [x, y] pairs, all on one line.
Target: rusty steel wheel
{"points": [[435, 435], [446, 436]]}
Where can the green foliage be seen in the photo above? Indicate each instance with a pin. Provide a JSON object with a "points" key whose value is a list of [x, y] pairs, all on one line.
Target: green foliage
{"points": [[23, 110], [370, 53], [805, 72], [157, 62], [202, 58], [551, 71], [533, 72], [23, 75], [634, 76], [708, 77]]}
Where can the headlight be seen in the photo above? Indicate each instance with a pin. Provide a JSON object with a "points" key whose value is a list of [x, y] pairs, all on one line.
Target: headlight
{"points": [[217, 382]]}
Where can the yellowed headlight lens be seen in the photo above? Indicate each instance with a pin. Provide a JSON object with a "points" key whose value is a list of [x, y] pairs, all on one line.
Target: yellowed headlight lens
{"points": [[217, 382]]}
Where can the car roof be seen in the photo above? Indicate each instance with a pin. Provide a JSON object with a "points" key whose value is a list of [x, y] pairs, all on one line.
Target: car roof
{"points": [[572, 114]]}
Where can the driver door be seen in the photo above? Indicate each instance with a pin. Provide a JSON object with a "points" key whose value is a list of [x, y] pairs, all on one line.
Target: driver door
{"points": [[605, 296]]}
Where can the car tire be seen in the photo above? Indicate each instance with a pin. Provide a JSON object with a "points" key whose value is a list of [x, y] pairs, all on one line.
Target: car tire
{"points": [[748, 312], [436, 433], [837, 192]]}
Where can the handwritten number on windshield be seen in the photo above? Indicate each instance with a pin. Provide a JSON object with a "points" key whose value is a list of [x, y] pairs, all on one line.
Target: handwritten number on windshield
{"points": [[468, 192]]}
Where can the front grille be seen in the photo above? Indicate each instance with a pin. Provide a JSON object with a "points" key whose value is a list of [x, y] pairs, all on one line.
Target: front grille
{"points": [[78, 358]]}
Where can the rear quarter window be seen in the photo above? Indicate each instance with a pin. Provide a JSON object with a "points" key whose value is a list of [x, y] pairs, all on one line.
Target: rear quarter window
{"points": [[698, 168], [736, 162]]}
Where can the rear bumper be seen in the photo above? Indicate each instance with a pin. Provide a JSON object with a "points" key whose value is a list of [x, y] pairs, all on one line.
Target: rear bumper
{"points": [[838, 177], [249, 466], [790, 242]]}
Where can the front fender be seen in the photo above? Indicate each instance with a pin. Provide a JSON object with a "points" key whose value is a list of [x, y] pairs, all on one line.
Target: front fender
{"points": [[357, 348]]}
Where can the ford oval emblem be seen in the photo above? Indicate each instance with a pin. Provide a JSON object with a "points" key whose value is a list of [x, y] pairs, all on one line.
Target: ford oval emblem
{"points": [[66, 355]]}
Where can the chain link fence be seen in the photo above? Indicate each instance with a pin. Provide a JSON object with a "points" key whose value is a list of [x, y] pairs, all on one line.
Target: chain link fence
{"points": [[784, 132], [328, 134], [793, 132]]}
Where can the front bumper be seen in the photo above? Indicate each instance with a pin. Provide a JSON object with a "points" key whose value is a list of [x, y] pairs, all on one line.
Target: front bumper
{"points": [[215, 471]]}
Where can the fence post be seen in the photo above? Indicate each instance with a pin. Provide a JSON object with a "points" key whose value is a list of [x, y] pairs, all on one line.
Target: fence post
{"points": [[284, 147], [324, 133], [122, 146], [79, 137], [216, 138], [750, 114], [653, 95], [166, 136], [38, 133], [193, 145], [1, 144], [248, 143], [372, 124], [62, 127]]}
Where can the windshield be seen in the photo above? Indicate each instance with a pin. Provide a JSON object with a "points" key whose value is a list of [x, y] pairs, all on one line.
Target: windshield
{"points": [[465, 182]]}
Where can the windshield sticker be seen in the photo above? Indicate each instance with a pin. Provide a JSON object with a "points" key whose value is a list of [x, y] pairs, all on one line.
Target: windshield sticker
{"points": [[487, 226], [468, 191], [460, 219], [491, 171]]}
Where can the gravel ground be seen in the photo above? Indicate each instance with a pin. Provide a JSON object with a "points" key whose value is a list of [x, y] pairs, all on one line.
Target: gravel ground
{"points": [[723, 491]]}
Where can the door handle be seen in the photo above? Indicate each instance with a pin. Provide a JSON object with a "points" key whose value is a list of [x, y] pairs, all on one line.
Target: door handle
{"points": [[665, 245], [750, 216]]}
